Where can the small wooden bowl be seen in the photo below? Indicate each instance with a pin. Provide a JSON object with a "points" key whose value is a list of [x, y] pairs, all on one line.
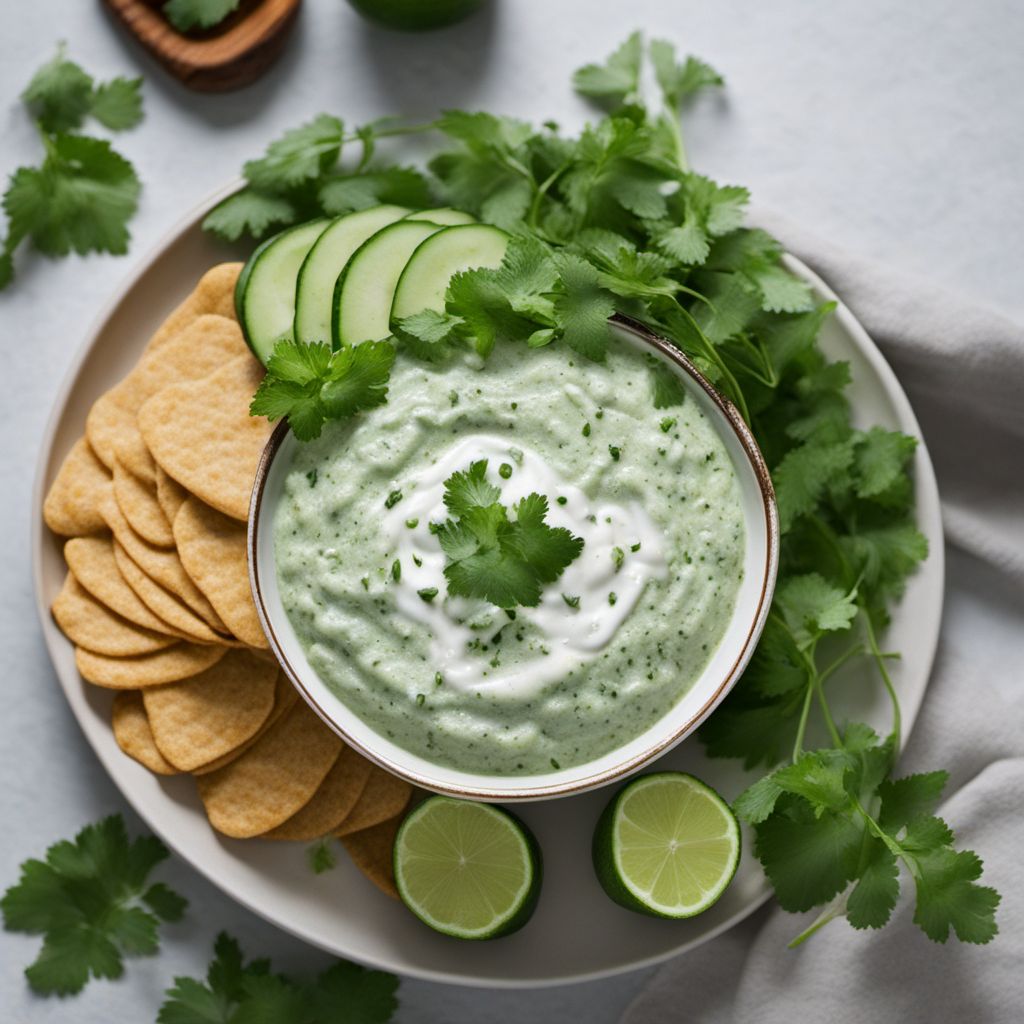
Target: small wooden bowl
{"points": [[225, 57]]}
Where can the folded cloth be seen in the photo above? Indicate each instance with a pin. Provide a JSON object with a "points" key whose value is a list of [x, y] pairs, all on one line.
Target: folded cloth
{"points": [[963, 369]]}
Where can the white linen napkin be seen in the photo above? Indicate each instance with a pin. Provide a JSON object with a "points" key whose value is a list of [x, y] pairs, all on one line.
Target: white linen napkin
{"points": [[963, 368]]}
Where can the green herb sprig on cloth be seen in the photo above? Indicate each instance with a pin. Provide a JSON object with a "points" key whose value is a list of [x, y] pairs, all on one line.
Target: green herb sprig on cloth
{"points": [[236, 992], [83, 194], [614, 220], [93, 903], [198, 14]]}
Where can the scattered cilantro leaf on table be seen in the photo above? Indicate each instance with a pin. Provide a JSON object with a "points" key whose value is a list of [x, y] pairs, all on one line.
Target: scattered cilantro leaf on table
{"points": [[236, 992], [615, 220], [192, 14], [84, 193], [493, 557], [92, 902]]}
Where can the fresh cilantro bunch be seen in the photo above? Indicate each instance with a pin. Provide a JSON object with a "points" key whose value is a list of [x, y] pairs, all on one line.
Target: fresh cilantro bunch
{"points": [[301, 176], [495, 558], [93, 904], [236, 992], [311, 384], [614, 220], [198, 14], [84, 193]]}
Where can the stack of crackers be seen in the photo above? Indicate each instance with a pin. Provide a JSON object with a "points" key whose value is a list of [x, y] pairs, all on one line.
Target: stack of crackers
{"points": [[157, 602]]}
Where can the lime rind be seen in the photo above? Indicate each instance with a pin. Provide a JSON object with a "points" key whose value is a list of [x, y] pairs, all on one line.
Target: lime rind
{"points": [[641, 829], [468, 870]]}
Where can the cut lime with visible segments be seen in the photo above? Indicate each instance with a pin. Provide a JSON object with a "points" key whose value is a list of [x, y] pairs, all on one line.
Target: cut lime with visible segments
{"points": [[666, 845], [467, 869]]}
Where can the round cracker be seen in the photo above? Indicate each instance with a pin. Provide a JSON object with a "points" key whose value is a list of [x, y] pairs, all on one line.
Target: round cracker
{"points": [[372, 851], [162, 565], [202, 435], [200, 347], [211, 714], [274, 778], [169, 493], [91, 560], [214, 551], [285, 696], [166, 666], [215, 293], [332, 802], [163, 603], [89, 624], [138, 504], [383, 796], [133, 735], [71, 508]]}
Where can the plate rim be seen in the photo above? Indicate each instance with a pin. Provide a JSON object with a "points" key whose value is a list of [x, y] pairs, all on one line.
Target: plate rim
{"points": [[925, 480]]}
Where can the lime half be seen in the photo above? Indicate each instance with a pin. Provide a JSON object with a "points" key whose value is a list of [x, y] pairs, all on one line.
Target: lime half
{"points": [[467, 869], [666, 845]]}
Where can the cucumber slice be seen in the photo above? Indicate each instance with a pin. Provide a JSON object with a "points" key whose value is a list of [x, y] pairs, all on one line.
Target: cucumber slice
{"points": [[326, 260], [446, 215], [361, 309], [265, 294], [425, 278]]}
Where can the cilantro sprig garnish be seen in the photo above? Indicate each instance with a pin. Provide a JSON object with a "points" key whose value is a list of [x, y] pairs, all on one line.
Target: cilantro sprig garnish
{"points": [[198, 14], [236, 992], [493, 556], [84, 192], [93, 903], [310, 384], [615, 220]]}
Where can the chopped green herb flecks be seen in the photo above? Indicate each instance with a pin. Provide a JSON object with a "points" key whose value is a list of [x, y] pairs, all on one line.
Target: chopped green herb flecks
{"points": [[618, 557], [586, 430], [311, 476], [562, 500], [427, 594], [504, 471], [613, 598], [572, 600], [635, 547], [396, 570], [412, 523], [614, 452], [421, 699], [365, 582], [667, 423], [392, 499]]}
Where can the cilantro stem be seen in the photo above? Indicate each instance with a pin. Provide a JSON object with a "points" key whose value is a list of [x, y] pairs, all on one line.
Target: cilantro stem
{"points": [[671, 117], [897, 723], [835, 909]]}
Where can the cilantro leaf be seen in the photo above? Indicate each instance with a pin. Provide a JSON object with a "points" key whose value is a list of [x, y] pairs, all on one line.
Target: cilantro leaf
{"points": [[492, 557], [812, 606], [803, 475], [310, 384], [90, 901], [667, 388], [873, 899], [59, 94], [949, 898], [117, 104], [618, 79], [249, 211], [80, 199], [300, 155], [189, 14], [235, 992], [678, 81], [402, 186], [582, 307], [429, 335]]}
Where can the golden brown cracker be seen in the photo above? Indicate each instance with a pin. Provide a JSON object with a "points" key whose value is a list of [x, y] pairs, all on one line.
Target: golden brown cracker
{"points": [[372, 851], [215, 293], [162, 565], [138, 504], [166, 666], [91, 560], [213, 549], [132, 453], [332, 802], [71, 508], [285, 696], [202, 435], [274, 778], [207, 716], [200, 347], [133, 735], [89, 624], [169, 493], [383, 796]]}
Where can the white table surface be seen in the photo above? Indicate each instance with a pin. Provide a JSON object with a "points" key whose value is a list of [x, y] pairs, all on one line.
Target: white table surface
{"points": [[892, 128]]}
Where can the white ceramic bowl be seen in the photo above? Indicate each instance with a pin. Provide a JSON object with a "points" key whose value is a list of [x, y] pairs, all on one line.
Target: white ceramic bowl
{"points": [[720, 674]]}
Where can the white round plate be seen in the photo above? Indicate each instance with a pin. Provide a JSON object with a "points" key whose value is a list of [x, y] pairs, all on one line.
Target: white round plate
{"points": [[577, 933]]}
